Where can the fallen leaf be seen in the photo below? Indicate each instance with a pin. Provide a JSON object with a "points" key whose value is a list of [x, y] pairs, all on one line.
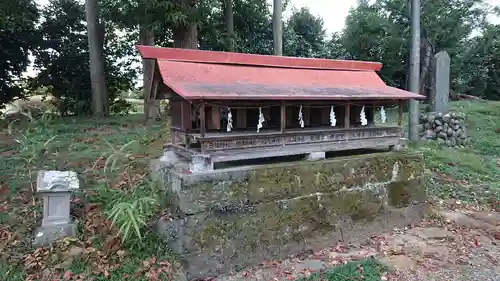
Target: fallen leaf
{"points": [[67, 275]]}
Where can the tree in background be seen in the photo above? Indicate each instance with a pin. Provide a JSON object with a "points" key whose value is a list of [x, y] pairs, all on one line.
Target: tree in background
{"points": [[304, 35], [380, 32], [482, 57], [18, 37], [63, 59], [95, 38], [252, 26]]}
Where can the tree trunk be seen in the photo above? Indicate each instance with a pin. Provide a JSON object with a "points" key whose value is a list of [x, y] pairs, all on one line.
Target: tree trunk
{"points": [[186, 37], [278, 27], [97, 76], [228, 14], [151, 110], [427, 53], [414, 107]]}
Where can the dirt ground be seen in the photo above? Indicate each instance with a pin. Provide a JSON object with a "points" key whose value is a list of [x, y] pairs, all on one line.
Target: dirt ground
{"points": [[455, 244]]}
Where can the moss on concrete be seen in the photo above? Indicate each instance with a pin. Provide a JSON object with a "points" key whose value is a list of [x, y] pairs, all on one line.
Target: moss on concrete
{"points": [[278, 223], [269, 183], [246, 215], [404, 193]]}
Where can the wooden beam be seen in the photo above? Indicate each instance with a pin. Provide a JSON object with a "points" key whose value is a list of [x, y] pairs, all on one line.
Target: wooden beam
{"points": [[202, 120], [185, 115], [347, 119], [283, 117]]}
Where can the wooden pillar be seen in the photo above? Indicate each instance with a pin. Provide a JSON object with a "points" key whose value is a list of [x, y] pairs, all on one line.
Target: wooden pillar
{"points": [[174, 139], [283, 117], [213, 117], [401, 108], [202, 119], [347, 120], [185, 115], [241, 118]]}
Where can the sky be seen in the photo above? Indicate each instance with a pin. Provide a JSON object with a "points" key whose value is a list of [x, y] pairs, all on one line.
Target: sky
{"points": [[333, 12]]}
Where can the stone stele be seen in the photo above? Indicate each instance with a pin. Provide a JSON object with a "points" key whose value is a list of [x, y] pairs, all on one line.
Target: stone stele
{"points": [[56, 188]]}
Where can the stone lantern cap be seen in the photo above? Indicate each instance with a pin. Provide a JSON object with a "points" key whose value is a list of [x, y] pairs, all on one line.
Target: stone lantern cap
{"points": [[57, 181]]}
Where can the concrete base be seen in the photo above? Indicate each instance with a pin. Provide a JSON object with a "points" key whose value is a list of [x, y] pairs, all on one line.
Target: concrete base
{"points": [[314, 156], [200, 164], [236, 217], [402, 145], [47, 235]]}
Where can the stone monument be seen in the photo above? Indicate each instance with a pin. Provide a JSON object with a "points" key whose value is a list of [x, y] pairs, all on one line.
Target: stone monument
{"points": [[441, 92], [56, 188]]}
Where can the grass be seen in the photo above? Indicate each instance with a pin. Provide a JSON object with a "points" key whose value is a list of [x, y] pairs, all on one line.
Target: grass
{"points": [[470, 174], [366, 270], [81, 145]]}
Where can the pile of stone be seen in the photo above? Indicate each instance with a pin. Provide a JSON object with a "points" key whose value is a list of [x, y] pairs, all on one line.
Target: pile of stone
{"points": [[446, 128]]}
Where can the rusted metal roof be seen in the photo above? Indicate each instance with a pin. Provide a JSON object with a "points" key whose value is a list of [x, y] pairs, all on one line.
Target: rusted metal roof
{"points": [[226, 76], [189, 55]]}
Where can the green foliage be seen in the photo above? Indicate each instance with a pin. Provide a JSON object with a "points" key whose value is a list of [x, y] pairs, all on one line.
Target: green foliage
{"points": [[63, 58], [252, 26], [479, 65], [18, 36], [304, 35], [33, 149], [135, 202], [121, 106], [380, 31], [368, 270]]}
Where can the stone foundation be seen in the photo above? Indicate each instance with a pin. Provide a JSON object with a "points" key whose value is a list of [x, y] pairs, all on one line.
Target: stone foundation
{"points": [[232, 218]]}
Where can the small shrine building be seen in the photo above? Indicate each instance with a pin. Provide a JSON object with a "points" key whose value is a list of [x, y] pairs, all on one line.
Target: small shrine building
{"points": [[232, 106]]}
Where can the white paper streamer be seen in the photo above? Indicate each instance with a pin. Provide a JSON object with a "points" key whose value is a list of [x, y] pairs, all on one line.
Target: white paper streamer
{"points": [[229, 120], [383, 116], [301, 120], [261, 120], [333, 121], [362, 116]]}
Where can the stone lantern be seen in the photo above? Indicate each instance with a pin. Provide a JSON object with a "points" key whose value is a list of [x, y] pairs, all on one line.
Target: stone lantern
{"points": [[56, 188]]}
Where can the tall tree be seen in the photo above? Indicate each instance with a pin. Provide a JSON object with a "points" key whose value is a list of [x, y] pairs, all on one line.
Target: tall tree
{"points": [[229, 18], [414, 68], [63, 55], [278, 27], [185, 34], [379, 31], [480, 61], [153, 22], [97, 76], [18, 36], [252, 26], [304, 35]]}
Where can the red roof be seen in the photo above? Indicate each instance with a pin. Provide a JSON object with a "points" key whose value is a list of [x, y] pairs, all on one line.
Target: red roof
{"points": [[195, 74]]}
